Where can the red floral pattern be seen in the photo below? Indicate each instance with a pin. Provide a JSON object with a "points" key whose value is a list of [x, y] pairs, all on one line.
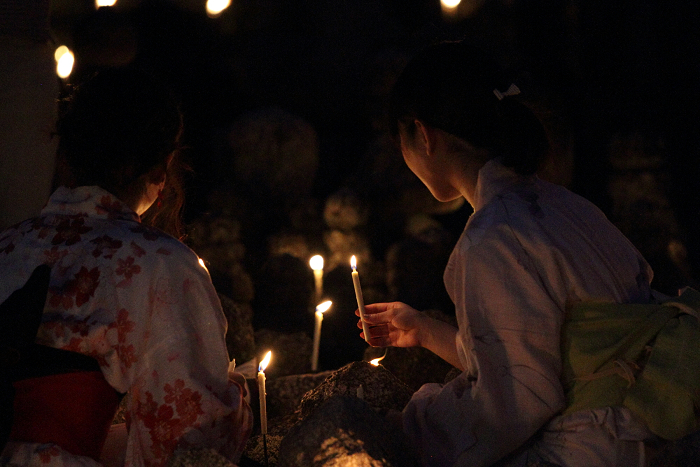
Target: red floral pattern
{"points": [[118, 293], [69, 231]]}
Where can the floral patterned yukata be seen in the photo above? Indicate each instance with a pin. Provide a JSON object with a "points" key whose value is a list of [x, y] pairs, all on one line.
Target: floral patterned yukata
{"points": [[530, 249], [139, 302]]}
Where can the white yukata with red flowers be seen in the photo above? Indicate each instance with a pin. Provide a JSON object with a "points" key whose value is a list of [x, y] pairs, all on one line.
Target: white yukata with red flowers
{"points": [[530, 249], [139, 302]]}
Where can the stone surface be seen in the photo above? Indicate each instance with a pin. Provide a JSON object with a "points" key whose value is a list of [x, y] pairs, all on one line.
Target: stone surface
{"points": [[199, 458], [344, 431], [284, 394], [239, 335], [382, 390], [414, 366]]}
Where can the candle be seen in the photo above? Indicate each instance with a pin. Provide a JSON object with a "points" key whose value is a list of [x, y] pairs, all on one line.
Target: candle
{"points": [[316, 263], [320, 309], [261, 392], [358, 295]]}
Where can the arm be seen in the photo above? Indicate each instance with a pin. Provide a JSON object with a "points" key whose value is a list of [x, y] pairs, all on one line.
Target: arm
{"points": [[509, 335], [398, 325], [181, 394]]}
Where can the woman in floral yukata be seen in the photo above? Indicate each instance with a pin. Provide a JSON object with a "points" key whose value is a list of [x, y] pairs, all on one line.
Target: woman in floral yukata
{"points": [[529, 251], [128, 294]]}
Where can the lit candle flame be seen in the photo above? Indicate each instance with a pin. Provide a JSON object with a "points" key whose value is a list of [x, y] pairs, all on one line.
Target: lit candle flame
{"points": [[451, 3], [353, 262], [201, 263], [316, 262], [375, 361], [100, 3], [265, 362], [215, 7], [64, 61], [323, 307]]}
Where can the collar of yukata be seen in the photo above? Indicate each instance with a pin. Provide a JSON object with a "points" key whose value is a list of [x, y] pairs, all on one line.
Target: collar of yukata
{"points": [[91, 201], [494, 178]]}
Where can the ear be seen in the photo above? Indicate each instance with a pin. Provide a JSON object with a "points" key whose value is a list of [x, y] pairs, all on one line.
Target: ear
{"points": [[427, 136]]}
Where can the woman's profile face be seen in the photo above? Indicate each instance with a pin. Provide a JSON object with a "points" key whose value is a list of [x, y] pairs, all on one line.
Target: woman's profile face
{"points": [[425, 166]]}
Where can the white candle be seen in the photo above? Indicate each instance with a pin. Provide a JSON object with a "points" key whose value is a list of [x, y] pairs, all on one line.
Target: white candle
{"points": [[316, 263], [358, 295], [320, 309], [261, 392]]}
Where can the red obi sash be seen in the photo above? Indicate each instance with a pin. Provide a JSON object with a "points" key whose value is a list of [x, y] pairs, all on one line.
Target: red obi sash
{"points": [[73, 410]]}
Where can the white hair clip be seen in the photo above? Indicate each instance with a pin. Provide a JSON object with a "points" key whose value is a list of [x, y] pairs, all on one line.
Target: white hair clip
{"points": [[512, 90]]}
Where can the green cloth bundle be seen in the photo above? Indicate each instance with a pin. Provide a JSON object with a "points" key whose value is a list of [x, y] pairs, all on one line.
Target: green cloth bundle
{"points": [[642, 356]]}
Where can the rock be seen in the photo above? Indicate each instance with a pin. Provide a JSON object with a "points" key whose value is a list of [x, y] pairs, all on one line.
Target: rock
{"points": [[255, 449], [284, 394], [382, 390], [414, 366], [345, 211], [240, 339], [198, 457], [344, 431], [275, 152]]}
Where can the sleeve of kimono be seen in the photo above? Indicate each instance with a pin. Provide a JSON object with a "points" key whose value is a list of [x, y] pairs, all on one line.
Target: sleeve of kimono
{"points": [[511, 386], [181, 395]]}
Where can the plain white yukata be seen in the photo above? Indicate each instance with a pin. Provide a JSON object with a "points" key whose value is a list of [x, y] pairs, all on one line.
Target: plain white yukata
{"points": [[530, 250]]}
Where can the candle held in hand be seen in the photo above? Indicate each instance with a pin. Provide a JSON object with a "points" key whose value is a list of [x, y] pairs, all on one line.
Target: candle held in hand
{"points": [[358, 295], [320, 309], [261, 392]]}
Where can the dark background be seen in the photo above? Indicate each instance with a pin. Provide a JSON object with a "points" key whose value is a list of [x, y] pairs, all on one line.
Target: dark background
{"points": [[608, 72]]}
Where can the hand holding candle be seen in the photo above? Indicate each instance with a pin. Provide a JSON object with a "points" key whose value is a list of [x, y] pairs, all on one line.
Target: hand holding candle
{"points": [[358, 295], [320, 309], [261, 391]]}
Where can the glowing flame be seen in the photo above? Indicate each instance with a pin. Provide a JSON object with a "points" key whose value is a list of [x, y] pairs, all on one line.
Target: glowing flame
{"points": [[323, 307], [353, 262], [451, 3], [375, 361], [265, 361], [215, 7], [201, 263], [316, 262], [64, 61], [99, 3]]}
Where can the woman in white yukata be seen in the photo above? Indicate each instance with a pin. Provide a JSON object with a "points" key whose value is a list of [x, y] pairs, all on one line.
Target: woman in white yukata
{"points": [[127, 294], [529, 251]]}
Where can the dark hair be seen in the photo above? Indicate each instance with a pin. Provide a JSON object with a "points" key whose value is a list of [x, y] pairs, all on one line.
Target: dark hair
{"points": [[451, 86], [116, 126]]}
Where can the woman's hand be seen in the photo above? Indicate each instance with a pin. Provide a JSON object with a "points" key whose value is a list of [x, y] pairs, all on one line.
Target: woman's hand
{"points": [[392, 324], [398, 325]]}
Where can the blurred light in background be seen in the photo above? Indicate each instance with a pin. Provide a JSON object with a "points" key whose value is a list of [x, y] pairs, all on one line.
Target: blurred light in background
{"points": [[450, 4], [99, 3], [64, 61], [215, 7]]}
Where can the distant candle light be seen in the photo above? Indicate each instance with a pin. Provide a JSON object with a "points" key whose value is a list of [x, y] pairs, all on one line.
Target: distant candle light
{"points": [[450, 3], [216, 7], [320, 309], [201, 263], [99, 3], [316, 263], [64, 61]]}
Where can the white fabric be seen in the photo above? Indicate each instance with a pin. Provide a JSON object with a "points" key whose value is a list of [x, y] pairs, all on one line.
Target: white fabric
{"points": [[530, 249], [139, 302]]}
